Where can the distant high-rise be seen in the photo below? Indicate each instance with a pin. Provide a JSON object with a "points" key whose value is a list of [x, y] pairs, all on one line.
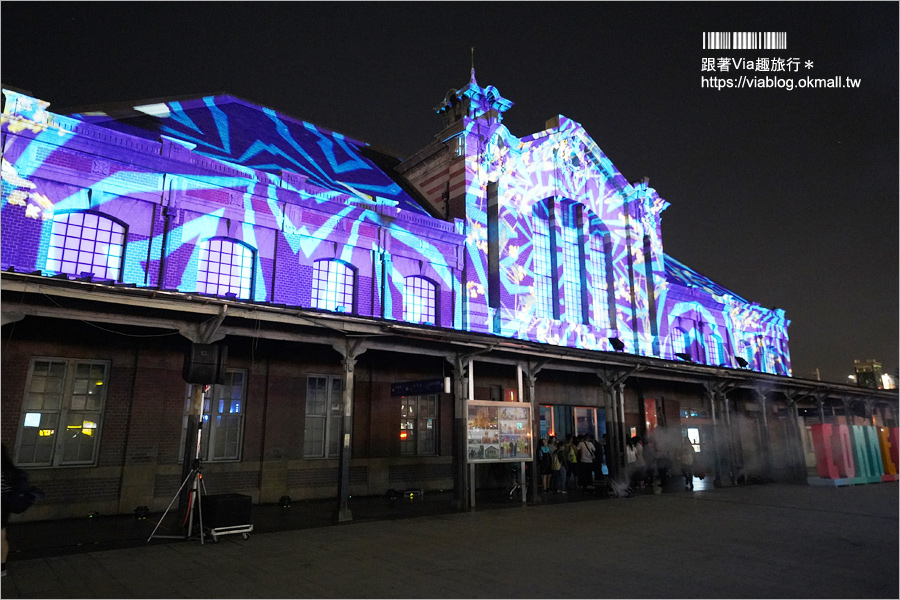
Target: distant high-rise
{"points": [[868, 373]]}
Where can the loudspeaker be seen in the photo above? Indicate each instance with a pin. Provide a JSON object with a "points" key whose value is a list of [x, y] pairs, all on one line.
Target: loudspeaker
{"points": [[205, 363]]}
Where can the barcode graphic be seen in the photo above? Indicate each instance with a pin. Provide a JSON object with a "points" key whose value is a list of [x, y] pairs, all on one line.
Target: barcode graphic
{"points": [[745, 40]]}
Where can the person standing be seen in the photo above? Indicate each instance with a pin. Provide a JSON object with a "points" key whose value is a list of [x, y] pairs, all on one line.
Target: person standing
{"points": [[687, 463], [571, 458], [558, 463], [543, 456], [585, 450]]}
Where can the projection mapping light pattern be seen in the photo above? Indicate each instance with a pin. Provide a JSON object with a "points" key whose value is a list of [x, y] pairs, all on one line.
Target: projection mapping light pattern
{"points": [[215, 195]]}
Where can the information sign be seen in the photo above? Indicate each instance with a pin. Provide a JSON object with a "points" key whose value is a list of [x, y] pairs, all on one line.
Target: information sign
{"points": [[498, 431]]}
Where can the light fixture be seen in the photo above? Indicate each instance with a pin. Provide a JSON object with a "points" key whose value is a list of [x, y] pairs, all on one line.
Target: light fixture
{"points": [[741, 362], [683, 356], [617, 344]]}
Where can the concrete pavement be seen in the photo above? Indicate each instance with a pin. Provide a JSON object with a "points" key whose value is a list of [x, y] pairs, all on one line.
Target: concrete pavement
{"points": [[762, 541]]}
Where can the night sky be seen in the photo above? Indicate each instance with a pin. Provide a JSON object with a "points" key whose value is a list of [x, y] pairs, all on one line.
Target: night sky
{"points": [[788, 198]]}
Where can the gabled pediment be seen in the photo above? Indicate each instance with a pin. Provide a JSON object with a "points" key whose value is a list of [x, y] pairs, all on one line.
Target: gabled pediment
{"points": [[235, 130]]}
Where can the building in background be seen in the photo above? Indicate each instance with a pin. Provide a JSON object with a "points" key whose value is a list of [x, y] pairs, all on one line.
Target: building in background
{"points": [[869, 374], [348, 286]]}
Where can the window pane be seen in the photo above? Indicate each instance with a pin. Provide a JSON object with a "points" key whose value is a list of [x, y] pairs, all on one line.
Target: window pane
{"points": [[46, 387], [335, 436], [37, 439], [80, 438], [315, 396]]}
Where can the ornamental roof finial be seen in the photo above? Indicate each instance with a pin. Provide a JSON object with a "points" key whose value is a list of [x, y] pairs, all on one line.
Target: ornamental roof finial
{"points": [[472, 80]]}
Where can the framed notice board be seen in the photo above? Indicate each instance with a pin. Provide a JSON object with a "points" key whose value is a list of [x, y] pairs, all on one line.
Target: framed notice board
{"points": [[498, 431]]}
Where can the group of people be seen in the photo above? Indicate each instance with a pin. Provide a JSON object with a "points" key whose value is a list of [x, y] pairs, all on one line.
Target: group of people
{"points": [[649, 462], [581, 458]]}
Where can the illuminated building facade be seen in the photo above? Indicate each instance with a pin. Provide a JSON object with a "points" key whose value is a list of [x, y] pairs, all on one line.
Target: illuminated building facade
{"points": [[519, 268]]}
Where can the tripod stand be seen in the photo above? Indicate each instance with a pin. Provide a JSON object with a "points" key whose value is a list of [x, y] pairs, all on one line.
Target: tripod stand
{"points": [[195, 478]]}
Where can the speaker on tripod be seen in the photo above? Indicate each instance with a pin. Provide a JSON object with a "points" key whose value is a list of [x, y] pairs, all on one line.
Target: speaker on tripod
{"points": [[205, 364]]}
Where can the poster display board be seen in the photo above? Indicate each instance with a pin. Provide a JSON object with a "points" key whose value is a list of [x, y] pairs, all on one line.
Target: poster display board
{"points": [[498, 431]]}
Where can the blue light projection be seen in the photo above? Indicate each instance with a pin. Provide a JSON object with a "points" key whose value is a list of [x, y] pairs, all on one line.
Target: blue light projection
{"points": [[295, 197]]}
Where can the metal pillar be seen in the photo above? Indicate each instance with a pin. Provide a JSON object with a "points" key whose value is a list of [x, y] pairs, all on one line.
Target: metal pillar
{"points": [[848, 411], [799, 457], [765, 438], [460, 394], [732, 447], [350, 352], [614, 387], [619, 450], [711, 396]]}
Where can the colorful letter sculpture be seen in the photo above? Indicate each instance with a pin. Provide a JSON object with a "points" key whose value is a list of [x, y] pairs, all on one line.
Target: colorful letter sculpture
{"points": [[855, 454]]}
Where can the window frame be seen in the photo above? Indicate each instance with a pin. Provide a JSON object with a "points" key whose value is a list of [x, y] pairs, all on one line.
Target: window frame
{"points": [[434, 307], [331, 420], [715, 343], [244, 292], [323, 303], [63, 412], [542, 261], [419, 425], [68, 214], [680, 334]]}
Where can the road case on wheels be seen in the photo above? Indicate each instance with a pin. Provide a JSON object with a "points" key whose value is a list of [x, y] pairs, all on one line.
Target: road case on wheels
{"points": [[225, 514]]}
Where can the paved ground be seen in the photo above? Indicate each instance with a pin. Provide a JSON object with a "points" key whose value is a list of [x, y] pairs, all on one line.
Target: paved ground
{"points": [[762, 541]]}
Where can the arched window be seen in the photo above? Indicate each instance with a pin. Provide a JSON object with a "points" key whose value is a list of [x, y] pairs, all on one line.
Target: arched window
{"points": [[542, 261], [420, 301], [679, 341], [745, 350], [86, 242], [713, 349], [226, 267], [769, 354], [333, 286]]}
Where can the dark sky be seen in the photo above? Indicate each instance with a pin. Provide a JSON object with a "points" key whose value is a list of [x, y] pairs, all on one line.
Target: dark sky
{"points": [[789, 198]]}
